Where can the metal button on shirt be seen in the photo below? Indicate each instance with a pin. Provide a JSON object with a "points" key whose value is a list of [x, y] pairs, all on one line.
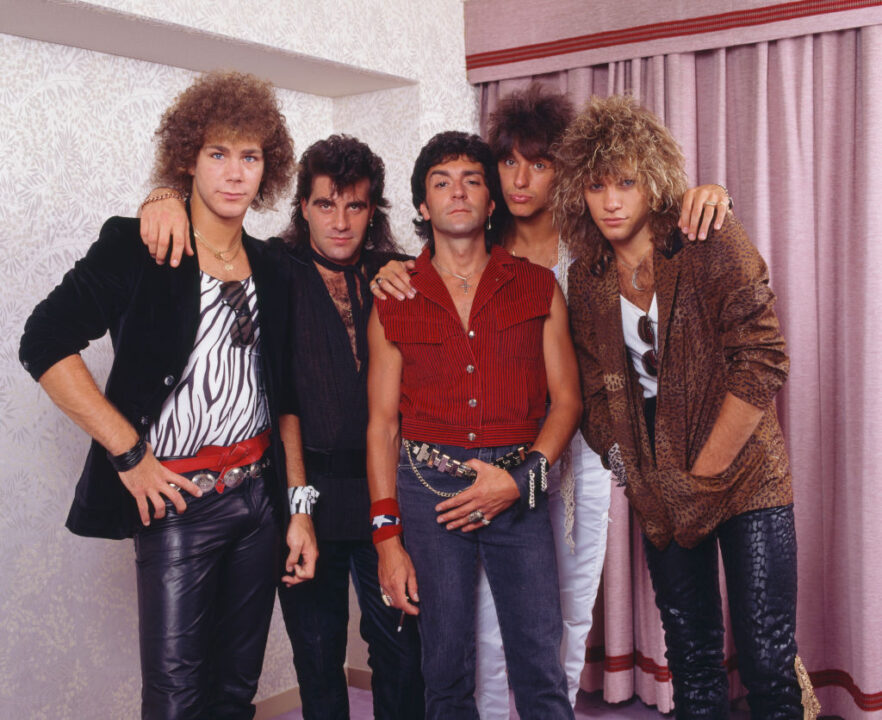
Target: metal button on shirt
{"points": [[470, 369], [472, 437], [472, 334], [473, 402]]}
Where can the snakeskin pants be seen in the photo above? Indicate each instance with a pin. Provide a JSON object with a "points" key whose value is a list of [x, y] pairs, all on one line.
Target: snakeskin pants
{"points": [[759, 558]]}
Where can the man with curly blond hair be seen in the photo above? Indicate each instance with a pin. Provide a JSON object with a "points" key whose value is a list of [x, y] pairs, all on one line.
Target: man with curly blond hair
{"points": [[197, 405], [681, 356]]}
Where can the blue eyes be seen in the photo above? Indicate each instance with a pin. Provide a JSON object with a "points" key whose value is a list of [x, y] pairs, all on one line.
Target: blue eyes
{"points": [[623, 183], [217, 155]]}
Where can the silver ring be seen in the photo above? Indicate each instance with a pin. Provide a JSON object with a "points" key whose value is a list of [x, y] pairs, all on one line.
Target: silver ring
{"points": [[378, 280], [485, 522], [374, 286], [387, 599], [710, 203], [476, 516]]}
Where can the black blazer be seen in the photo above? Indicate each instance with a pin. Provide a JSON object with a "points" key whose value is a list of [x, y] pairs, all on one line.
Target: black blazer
{"points": [[152, 314]]}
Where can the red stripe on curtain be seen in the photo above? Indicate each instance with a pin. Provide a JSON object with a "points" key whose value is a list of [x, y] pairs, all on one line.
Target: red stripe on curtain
{"points": [[622, 663], [674, 28], [868, 702]]}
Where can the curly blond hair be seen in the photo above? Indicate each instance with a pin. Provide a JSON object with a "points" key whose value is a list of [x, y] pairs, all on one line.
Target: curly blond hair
{"points": [[229, 106], [611, 138]]}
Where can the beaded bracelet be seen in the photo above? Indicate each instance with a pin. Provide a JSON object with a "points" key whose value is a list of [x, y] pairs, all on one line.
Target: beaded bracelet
{"points": [[127, 460], [385, 519]]}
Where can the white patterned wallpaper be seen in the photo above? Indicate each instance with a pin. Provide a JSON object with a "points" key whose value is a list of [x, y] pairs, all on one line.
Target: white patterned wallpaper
{"points": [[373, 34], [76, 133]]}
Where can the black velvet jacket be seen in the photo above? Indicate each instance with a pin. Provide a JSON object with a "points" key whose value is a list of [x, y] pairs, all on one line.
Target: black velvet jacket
{"points": [[152, 313]]}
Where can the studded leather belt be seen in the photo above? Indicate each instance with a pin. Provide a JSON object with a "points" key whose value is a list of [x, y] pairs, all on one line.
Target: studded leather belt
{"points": [[219, 468], [433, 457]]}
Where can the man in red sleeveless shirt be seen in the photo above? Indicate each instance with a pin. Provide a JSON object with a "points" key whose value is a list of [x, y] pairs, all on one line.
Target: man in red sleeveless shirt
{"points": [[458, 383]]}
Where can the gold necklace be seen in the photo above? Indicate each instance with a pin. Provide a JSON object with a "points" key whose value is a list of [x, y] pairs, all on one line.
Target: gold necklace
{"points": [[465, 278], [219, 254]]}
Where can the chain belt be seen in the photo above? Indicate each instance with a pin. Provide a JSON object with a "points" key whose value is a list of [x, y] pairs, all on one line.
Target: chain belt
{"points": [[433, 457]]}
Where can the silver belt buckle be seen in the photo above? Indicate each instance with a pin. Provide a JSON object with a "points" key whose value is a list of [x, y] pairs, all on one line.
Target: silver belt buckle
{"points": [[204, 481], [234, 477]]}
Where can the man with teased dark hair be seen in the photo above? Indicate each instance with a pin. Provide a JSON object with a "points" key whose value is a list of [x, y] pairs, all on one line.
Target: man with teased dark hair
{"points": [[339, 235]]}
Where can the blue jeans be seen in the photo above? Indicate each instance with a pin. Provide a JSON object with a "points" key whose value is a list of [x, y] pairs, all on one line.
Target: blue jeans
{"points": [[317, 617], [517, 552]]}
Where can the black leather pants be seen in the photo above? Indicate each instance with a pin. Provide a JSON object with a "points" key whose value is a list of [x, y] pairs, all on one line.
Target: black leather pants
{"points": [[759, 557], [206, 582]]}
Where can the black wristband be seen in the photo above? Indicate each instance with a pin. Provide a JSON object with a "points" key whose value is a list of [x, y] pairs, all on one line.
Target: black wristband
{"points": [[127, 460]]}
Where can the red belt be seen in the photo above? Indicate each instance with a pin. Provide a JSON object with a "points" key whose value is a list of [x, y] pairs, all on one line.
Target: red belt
{"points": [[214, 458]]}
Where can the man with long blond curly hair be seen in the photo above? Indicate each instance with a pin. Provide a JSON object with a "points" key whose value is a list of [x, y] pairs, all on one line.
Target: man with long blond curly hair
{"points": [[681, 356], [187, 437]]}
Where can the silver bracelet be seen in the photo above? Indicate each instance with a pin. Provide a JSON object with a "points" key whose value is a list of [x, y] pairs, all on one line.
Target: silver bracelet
{"points": [[729, 201], [301, 499]]}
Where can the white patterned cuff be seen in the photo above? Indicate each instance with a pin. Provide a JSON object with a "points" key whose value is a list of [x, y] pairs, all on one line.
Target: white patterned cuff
{"points": [[301, 499]]}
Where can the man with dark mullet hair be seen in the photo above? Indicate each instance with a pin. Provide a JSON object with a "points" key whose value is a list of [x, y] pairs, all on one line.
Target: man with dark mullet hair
{"points": [[338, 237]]}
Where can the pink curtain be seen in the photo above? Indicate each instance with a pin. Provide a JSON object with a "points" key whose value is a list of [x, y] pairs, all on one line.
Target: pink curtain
{"points": [[792, 128]]}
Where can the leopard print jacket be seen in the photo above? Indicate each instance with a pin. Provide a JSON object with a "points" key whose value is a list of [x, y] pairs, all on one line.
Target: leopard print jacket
{"points": [[718, 333]]}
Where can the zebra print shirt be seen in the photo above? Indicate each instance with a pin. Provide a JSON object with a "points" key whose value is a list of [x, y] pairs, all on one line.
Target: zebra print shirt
{"points": [[220, 398]]}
